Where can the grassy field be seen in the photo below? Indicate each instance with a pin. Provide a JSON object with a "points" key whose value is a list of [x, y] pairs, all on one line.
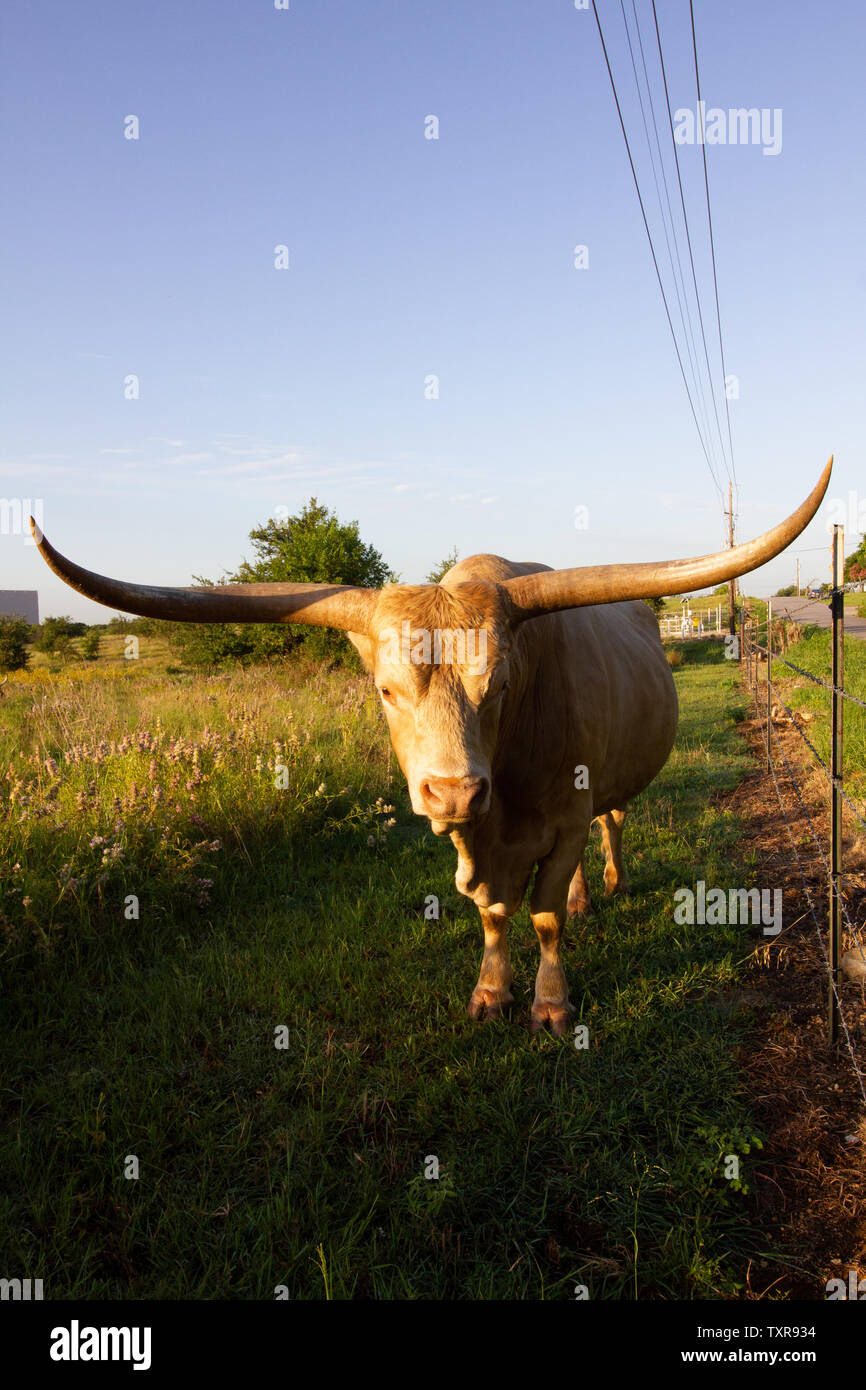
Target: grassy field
{"points": [[153, 656], [812, 654], [301, 908]]}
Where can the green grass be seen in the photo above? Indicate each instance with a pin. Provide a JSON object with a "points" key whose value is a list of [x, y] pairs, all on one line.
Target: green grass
{"points": [[305, 1166], [153, 655], [813, 654]]}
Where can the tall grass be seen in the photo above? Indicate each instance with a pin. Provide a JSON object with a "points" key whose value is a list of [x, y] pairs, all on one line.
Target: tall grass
{"points": [[279, 1037], [813, 654]]}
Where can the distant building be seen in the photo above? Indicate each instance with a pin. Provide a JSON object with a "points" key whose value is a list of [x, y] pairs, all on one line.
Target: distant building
{"points": [[23, 603]]}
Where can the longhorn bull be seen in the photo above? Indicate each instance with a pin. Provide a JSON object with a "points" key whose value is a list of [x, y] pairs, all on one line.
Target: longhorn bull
{"points": [[573, 680]]}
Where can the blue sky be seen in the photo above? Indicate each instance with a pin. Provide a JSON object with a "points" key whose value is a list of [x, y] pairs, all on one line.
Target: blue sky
{"points": [[408, 257]]}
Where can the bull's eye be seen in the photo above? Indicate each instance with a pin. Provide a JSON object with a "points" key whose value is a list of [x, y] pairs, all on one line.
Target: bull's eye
{"points": [[386, 694]]}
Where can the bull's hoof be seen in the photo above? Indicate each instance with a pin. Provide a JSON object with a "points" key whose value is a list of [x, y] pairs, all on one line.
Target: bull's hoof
{"points": [[489, 1003], [559, 1017], [579, 906], [615, 887]]}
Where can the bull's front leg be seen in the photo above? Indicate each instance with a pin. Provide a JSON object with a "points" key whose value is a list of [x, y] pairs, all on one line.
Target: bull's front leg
{"points": [[492, 995], [551, 1003], [548, 909]]}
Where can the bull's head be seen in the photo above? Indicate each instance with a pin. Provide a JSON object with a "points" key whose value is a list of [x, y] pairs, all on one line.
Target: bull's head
{"points": [[441, 655], [440, 659]]}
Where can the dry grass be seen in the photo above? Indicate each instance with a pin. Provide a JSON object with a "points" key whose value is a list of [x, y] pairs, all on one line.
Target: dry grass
{"points": [[811, 1194]]}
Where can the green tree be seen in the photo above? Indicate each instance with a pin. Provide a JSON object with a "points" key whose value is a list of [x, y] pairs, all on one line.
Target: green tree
{"points": [[14, 636], [55, 633], [657, 605], [443, 566], [90, 644], [210, 644], [314, 547], [855, 565]]}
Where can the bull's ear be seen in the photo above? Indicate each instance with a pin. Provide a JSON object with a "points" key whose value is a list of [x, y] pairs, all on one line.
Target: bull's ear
{"points": [[366, 648]]}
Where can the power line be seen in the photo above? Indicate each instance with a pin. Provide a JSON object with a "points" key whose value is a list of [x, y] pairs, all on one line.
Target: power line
{"points": [[682, 301], [650, 240], [689, 244], [710, 225]]}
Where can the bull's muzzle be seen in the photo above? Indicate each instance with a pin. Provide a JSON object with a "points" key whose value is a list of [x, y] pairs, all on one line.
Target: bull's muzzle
{"points": [[454, 799]]}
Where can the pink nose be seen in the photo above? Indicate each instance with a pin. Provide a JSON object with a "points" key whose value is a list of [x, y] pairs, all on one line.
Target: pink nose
{"points": [[453, 798]]}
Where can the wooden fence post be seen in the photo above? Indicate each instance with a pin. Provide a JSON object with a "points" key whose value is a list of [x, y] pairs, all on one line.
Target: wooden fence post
{"points": [[769, 655], [837, 611]]}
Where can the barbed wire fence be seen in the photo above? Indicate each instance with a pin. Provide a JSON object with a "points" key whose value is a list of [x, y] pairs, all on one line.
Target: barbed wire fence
{"points": [[827, 847]]}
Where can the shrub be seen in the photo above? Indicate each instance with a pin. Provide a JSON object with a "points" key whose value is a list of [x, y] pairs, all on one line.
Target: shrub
{"points": [[14, 634]]}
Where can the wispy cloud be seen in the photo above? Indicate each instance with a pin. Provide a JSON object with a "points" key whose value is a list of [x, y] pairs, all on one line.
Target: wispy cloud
{"points": [[190, 458]]}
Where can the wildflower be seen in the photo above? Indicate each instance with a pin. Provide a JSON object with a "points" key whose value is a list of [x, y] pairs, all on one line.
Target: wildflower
{"points": [[97, 840], [26, 901], [391, 821], [51, 766], [320, 789]]}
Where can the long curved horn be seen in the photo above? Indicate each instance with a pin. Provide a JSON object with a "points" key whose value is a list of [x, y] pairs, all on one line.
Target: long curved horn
{"points": [[536, 594], [323, 605]]}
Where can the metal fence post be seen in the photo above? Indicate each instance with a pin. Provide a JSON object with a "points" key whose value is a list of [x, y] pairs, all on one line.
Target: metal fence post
{"points": [[769, 655], [837, 611]]}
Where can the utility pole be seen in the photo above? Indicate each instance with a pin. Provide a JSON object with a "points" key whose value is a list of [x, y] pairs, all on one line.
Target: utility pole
{"points": [[798, 579], [732, 584]]}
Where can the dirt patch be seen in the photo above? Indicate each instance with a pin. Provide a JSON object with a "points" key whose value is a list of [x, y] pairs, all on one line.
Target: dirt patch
{"points": [[810, 1198]]}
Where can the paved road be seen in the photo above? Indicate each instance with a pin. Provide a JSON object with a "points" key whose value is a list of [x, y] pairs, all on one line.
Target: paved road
{"points": [[809, 610]]}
